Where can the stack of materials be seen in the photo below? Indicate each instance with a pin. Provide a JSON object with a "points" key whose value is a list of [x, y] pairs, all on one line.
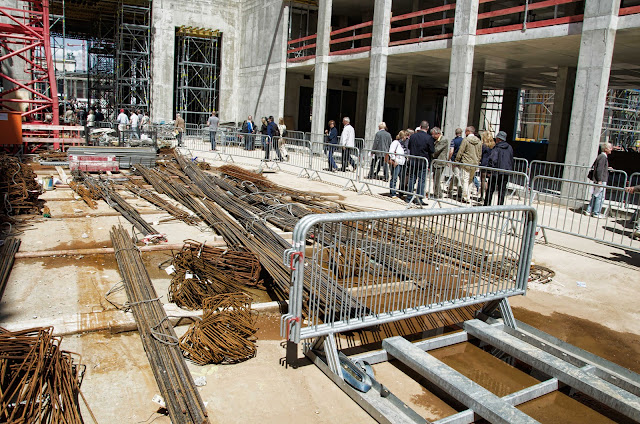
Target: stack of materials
{"points": [[158, 336], [203, 271], [8, 250], [124, 156], [39, 382], [225, 335], [18, 186]]}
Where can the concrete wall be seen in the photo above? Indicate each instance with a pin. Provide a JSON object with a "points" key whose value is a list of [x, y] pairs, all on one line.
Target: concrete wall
{"points": [[223, 15], [259, 38]]}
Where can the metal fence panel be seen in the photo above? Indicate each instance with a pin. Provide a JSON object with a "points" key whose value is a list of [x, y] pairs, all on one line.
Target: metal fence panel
{"points": [[513, 184], [345, 158], [294, 152], [611, 223], [356, 270], [394, 178]]}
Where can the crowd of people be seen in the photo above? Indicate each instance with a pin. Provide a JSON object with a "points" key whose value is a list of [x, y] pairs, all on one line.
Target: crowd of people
{"points": [[268, 134], [405, 161]]}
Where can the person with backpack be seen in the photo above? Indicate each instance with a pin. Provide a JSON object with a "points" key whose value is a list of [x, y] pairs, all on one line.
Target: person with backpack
{"points": [[501, 157], [272, 131]]}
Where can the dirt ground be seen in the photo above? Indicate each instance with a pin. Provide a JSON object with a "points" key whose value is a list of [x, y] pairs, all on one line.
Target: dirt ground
{"points": [[591, 302]]}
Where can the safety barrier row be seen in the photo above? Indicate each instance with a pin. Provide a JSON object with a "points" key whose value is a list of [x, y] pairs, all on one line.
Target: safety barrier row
{"points": [[354, 270]]}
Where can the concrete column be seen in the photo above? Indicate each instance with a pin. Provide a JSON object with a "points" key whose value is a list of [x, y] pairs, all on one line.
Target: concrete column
{"points": [[378, 67], [282, 65], [321, 74], [562, 100], [509, 112], [475, 98], [462, 50], [408, 91], [361, 105], [592, 80]]}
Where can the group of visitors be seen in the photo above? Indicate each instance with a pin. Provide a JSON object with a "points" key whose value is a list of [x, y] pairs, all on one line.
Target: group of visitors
{"points": [[346, 143], [269, 133], [135, 122]]}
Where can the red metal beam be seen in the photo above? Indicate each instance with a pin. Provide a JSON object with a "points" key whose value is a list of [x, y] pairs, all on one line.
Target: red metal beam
{"points": [[519, 9], [537, 24], [419, 13], [420, 39], [300, 40], [422, 25], [351, 38], [301, 58], [629, 10], [351, 51], [297, 49], [351, 28]]}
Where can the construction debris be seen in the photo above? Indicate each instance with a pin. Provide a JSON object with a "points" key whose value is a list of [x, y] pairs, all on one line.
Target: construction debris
{"points": [[203, 271], [158, 201], [124, 156], [158, 336], [8, 250], [225, 335], [39, 382], [87, 195], [18, 187], [113, 199]]}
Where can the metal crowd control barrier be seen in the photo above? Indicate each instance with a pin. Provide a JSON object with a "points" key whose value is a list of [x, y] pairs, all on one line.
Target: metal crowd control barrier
{"points": [[398, 177], [370, 268], [611, 223], [298, 135], [556, 170], [516, 188], [346, 159], [295, 153], [521, 165]]}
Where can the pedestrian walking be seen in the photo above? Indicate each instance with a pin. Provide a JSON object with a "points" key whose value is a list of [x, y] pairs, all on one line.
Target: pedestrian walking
{"points": [[501, 158]]}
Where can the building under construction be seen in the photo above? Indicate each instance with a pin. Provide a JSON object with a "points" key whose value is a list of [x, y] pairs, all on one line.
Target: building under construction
{"points": [[177, 274]]}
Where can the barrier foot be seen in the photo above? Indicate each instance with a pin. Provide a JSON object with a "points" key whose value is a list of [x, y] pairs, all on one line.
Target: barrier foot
{"points": [[315, 176], [352, 184], [363, 191], [304, 171]]}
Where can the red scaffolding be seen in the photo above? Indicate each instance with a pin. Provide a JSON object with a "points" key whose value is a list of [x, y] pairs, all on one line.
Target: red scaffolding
{"points": [[27, 64]]}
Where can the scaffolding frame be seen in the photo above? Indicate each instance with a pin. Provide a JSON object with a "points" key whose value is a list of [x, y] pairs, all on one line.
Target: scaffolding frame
{"points": [[621, 123], [491, 110], [133, 57], [535, 110], [101, 52], [197, 73]]}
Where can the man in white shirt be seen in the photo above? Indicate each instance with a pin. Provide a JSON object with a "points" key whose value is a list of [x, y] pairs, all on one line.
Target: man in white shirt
{"points": [[134, 125], [122, 120], [348, 143]]}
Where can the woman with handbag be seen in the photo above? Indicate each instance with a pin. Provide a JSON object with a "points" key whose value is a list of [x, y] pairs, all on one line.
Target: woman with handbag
{"points": [[396, 159]]}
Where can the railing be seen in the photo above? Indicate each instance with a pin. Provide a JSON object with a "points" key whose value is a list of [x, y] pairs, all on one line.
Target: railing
{"points": [[578, 212], [303, 48], [352, 39], [626, 9], [435, 23], [532, 14], [356, 270], [397, 179]]}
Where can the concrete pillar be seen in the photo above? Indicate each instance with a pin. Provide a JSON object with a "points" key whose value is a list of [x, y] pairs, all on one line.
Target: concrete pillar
{"points": [[282, 65], [475, 99], [408, 91], [321, 74], [461, 67], [509, 112], [361, 105], [592, 80], [562, 100], [378, 67]]}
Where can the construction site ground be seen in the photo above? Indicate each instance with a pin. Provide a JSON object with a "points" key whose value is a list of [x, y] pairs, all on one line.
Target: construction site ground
{"points": [[592, 302]]}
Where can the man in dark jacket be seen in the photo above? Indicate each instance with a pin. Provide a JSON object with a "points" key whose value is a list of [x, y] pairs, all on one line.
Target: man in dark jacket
{"points": [[501, 157], [381, 144], [249, 128], [332, 140], [420, 144], [600, 176]]}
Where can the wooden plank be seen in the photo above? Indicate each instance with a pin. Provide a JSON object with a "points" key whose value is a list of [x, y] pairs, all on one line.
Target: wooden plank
{"points": [[470, 393], [62, 174]]}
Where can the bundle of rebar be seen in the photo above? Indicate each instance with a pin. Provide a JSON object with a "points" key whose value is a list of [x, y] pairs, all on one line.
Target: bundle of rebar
{"points": [[8, 251], [117, 202], [19, 189], [158, 336], [39, 382], [159, 202], [225, 334], [203, 271], [84, 193]]}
